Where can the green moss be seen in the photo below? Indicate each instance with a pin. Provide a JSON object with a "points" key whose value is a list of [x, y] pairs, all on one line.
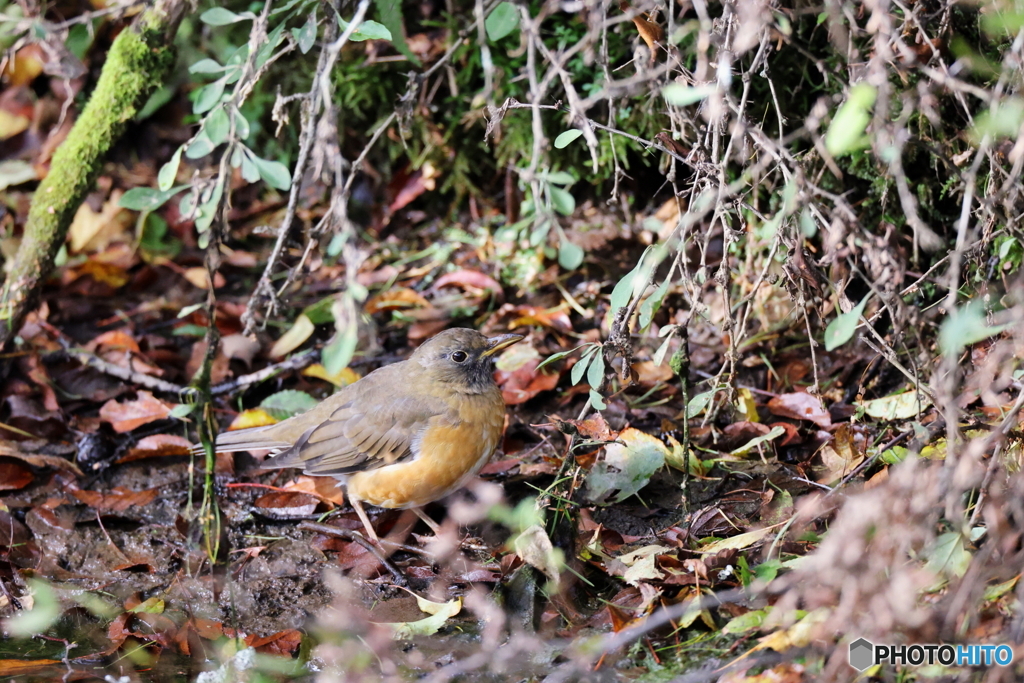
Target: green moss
{"points": [[138, 61]]}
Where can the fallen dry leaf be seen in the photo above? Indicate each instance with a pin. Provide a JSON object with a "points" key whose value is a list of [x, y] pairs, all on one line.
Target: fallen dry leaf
{"points": [[158, 445], [124, 417], [117, 499], [91, 231], [800, 406]]}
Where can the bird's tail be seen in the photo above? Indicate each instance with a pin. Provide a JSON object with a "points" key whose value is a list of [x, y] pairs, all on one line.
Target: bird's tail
{"points": [[252, 439]]}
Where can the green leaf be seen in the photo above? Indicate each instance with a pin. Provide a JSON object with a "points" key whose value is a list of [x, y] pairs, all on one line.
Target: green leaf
{"points": [[209, 96], [576, 374], [368, 30], [169, 171], [218, 16], [565, 138], [846, 132], [649, 308], [570, 256], [540, 233], [274, 172], [683, 95], [207, 211], [147, 198], [190, 330], [948, 557], [45, 611], [750, 621], [775, 433], [241, 124], [207, 66], [249, 170], [699, 403], [559, 178], [597, 400], [338, 354], [563, 201], [218, 126], [1003, 119], [841, 330], [391, 16], [632, 281], [266, 51], [306, 36], [502, 21], [556, 356], [182, 410], [320, 313], [965, 326], [595, 374], [288, 403], [200, 147]]}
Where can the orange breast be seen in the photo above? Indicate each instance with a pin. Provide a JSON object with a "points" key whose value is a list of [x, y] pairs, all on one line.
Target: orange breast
{"points": [[450, 452]]}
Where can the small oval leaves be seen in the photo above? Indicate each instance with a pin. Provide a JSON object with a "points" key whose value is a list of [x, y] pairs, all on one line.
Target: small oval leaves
{"points": [[846, 132], [502, 21], [841, 330], [565, 138]]}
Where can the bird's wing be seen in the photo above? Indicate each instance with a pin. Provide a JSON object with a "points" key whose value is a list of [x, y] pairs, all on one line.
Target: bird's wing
{"points": [[365, 432]]}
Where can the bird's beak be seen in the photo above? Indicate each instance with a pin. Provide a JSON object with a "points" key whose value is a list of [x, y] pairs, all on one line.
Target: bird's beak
{"points": [[495, 344]]}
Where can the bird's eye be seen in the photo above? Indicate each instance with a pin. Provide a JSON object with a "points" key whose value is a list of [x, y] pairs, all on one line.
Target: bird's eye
{"points": [[459, 356]]}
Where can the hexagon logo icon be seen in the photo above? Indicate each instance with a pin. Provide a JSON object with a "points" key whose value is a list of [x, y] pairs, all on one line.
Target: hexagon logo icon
{"points": [[862, 654]]}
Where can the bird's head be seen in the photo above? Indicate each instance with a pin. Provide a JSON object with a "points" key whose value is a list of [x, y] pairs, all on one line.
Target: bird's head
{"points": [[462, 357]]}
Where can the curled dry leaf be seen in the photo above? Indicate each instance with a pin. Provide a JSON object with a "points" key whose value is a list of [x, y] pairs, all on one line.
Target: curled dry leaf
{"points": [[14, 475], [124, 417], [200, 277], [651, 33], [529, 316], [287, 504], [535, 548], [115, 340], [10, 449], [800, 406], [473, 281], [396, 298], [157, 446], [240, 347], [91, 231], [325, 488], [840, 456], [416, 183], [518, 377]]}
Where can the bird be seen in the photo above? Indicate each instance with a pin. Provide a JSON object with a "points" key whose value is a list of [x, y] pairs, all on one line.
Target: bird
{"points": [[405, 435]]}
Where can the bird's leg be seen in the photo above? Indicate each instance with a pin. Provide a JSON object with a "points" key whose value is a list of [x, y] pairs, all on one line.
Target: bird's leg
{"points": [[463, 542], [374, 550], [428, 521], [358, 507]]}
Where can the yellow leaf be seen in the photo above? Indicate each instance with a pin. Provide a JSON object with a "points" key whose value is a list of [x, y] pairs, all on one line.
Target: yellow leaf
{"points": [[897, 407], [254, 417], [91, 231], [746, 404], [739, 542], [293, 338], [440, 613], [339, 379]]}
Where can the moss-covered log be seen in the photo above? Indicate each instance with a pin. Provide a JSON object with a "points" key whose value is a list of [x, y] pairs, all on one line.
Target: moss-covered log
{"points": [[138, 62]]}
